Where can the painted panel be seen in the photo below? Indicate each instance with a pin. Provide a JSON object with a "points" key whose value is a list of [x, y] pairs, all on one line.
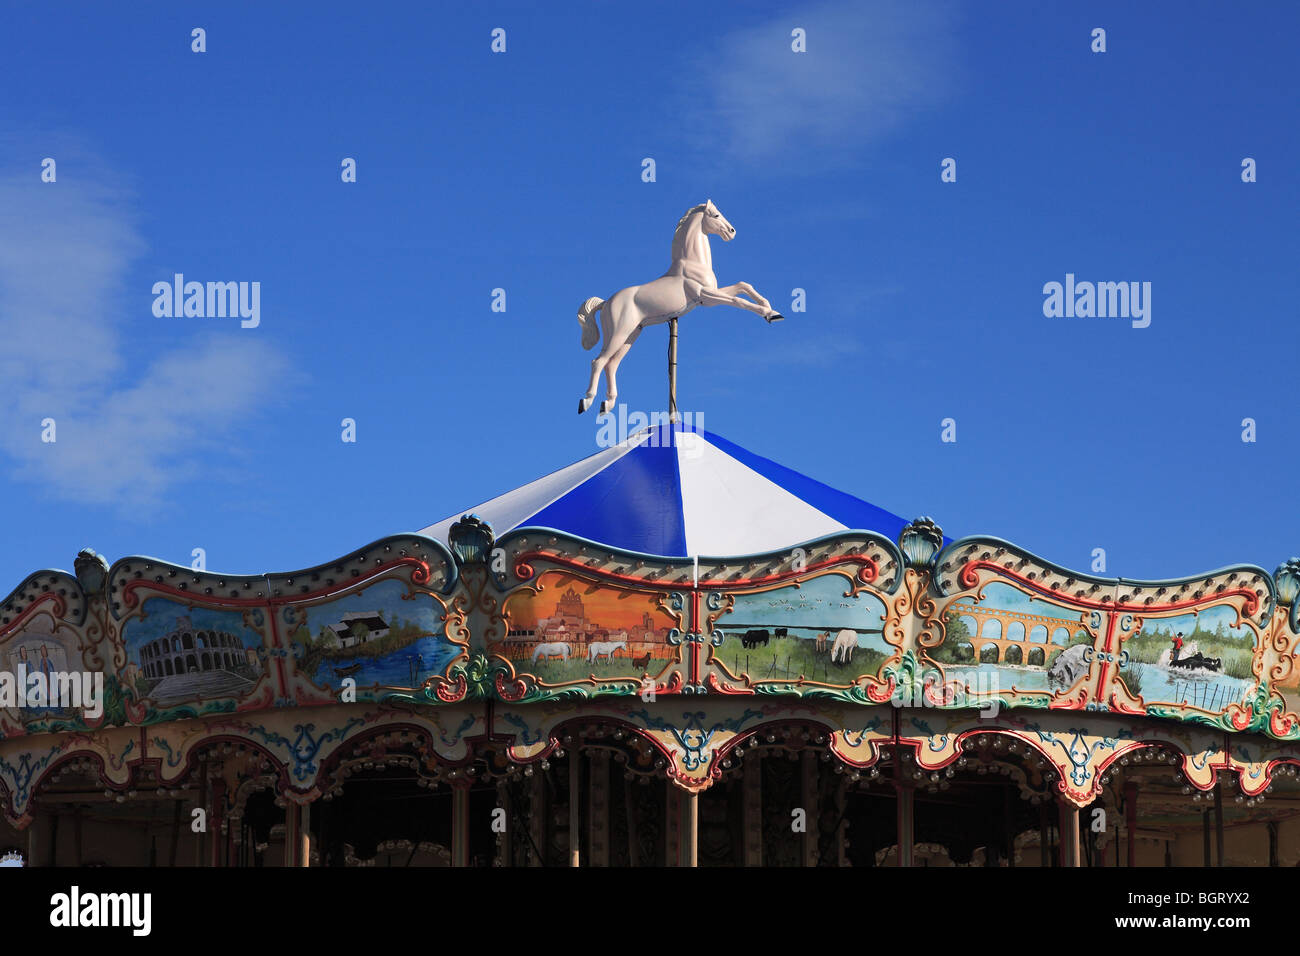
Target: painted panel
{"points": [[205, 658], [389, 636], [1006, 642], [568, 629], [817, 630]]}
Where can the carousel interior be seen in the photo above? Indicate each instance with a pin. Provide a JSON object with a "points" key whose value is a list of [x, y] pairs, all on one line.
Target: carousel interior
{"points": [[993, 806]]}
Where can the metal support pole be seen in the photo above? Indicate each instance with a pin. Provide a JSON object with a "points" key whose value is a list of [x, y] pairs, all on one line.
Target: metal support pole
{"points": [[672, 370]]}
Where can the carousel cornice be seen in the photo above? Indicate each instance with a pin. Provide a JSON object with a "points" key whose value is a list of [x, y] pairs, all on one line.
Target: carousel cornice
{"points": [[307, 639]]}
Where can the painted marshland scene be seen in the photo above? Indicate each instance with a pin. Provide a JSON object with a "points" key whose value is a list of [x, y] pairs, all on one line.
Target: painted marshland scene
{"points": [[378, 636], [1200, 660], [812, 631], [571, 629]]}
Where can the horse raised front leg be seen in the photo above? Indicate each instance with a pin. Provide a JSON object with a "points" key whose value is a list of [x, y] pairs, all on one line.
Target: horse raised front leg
{"points": [[728, 296], [745, 289]]}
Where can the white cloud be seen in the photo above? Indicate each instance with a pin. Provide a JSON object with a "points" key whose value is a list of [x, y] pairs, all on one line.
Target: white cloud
{"points": [[867, 68], [131, 421]]}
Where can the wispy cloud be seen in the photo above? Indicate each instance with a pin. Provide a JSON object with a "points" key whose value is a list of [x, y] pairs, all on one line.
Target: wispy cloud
{"points": [[868, 67], [130, 423]]}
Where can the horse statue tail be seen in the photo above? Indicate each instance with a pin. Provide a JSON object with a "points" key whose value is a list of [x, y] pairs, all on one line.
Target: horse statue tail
{"points": [[587, 319]]}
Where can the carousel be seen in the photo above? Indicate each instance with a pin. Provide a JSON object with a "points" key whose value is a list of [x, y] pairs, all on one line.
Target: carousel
{"points": [[673, 652]]}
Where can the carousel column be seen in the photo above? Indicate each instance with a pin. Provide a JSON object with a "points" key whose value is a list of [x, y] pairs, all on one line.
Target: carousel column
{"points": [[1130, 819], [199, 837], [505, 838], [1218, 821], [598, 804], [539, 813], [297, 834], [36, 853], [575, 807], [904, 798], [812, 812], [683, 827], [689, 846], [218, 811], [460, 822], [303, 846], [753, 812], [906, 807], [841, 810], [1205, 833], [1070, 855]]}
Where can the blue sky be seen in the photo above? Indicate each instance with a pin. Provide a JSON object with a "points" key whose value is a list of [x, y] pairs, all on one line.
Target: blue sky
{"points": [[522, 171]]}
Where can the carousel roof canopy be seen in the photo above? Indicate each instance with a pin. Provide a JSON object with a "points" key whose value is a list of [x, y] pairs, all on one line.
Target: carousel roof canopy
{"points": [[675, 491]]}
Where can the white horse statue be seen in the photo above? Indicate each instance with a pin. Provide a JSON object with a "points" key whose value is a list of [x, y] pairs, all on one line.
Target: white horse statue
{"points": [[553, 649], [606, 649], [688, 282]]}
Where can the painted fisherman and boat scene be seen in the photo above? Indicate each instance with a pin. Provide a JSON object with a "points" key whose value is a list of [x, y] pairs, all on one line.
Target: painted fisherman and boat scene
{"points": [[1200, 660]]}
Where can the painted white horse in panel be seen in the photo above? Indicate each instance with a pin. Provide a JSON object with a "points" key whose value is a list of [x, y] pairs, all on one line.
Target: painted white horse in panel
{"points": [[842, 649], [554, 649], [605, 649], [688, 282]]}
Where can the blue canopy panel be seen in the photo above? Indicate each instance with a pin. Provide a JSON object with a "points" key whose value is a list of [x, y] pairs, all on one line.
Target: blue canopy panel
{"points": [[676, 492]]}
